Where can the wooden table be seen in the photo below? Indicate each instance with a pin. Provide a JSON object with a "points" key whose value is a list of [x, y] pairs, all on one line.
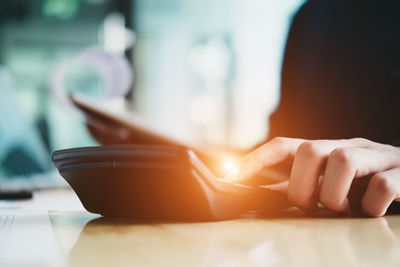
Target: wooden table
{"points": [[290, 240]]}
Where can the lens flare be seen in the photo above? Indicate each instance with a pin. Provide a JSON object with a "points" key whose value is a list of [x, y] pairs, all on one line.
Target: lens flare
{"points": [[228, 165]]}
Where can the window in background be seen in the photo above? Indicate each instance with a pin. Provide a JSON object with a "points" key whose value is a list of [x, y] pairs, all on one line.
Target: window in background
{"points": [[35, 36], [209, 71]]}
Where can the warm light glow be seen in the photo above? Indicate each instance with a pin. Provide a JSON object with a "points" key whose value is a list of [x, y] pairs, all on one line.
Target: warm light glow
{"points": [[228, 165], [233, 174]]}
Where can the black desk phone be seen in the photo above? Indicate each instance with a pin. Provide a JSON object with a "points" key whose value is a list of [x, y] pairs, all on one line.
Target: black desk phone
{"points": [[167, 183]]}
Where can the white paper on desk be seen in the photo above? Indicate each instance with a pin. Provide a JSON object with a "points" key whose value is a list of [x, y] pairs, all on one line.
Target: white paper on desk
{"points": [[28, 239]]}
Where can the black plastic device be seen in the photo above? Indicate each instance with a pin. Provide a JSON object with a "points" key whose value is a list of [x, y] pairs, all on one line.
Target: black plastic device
{"points": [[168, 183]]}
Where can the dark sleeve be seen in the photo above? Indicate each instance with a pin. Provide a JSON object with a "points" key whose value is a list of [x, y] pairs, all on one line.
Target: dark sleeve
{"points": [[281, 121], [397, 143], [338, 77]]}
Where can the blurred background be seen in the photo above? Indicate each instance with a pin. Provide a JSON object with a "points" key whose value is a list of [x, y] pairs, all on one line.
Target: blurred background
{"points": [[206, 71]]}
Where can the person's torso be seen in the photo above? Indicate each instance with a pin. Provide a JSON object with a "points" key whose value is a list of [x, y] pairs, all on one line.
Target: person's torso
{"points": [[341, 73]]}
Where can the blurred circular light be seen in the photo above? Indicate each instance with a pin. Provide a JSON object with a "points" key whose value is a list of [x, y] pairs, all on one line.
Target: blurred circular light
{"points": [[96, 2], [60, 9]]}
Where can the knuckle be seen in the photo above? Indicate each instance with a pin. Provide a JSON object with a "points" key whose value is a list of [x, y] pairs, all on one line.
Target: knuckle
{"points": [[309, 149], [341, 156], [360, 140], [381, 184], [374, 211], [330, 203], [279, 140], [257, 155], [298, 200], [390, 149]]}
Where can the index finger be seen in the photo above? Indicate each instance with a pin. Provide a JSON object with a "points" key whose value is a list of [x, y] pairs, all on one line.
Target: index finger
{"points": [[271, 153]]}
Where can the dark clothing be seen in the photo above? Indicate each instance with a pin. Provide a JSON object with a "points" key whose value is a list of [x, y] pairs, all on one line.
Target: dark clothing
{"points": [[341, 72]]}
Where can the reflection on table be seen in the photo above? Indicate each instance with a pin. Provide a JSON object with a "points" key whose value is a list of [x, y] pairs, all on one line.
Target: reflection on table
{"points": [[288, 241]]}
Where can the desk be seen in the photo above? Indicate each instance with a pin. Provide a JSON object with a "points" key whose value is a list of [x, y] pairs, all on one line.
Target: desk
{"points": [[292, 240]]}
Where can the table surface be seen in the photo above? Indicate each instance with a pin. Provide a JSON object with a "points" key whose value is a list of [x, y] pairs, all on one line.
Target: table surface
{"points": [[289, 240]]}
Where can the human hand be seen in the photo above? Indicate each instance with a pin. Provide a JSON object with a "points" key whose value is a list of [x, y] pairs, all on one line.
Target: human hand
{"points": [[108, 133], [323, 171]]}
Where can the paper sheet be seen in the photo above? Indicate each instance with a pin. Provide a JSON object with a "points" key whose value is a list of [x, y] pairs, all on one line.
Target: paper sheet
{"points": [[20, 246]]}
